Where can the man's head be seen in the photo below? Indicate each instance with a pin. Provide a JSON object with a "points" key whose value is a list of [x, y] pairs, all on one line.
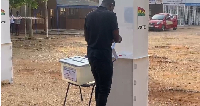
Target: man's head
{"points": [[109, 4], [17, 12]]}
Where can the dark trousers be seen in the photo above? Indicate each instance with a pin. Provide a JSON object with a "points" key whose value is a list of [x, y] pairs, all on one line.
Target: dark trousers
{"points": [[17, 27], [102, 70], [12, 28]]}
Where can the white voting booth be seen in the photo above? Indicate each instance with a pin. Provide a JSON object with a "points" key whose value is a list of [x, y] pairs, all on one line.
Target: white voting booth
{"points": [[6, 44], [130, 76]]}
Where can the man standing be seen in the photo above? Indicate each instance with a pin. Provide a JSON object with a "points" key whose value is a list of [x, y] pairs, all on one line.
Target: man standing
{"points": [[101, 30], [12, 23], [17, 23]]}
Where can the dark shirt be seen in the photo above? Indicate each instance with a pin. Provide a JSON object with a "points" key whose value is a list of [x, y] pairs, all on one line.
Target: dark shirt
{"points": [[99, 27]]}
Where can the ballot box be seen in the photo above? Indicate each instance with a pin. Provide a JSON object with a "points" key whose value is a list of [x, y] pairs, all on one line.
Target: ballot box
{"points": [[76, 70]]}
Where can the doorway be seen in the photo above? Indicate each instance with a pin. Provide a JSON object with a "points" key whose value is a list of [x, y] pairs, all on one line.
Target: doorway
{"points": [[52, 19]]}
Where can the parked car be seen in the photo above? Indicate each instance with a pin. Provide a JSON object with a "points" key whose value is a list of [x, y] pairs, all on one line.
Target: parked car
{"points": [[163, 21]]}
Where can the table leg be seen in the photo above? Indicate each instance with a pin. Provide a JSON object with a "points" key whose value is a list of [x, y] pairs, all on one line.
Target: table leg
{"points": [[91, 95], [81, 93], [66, 94]]}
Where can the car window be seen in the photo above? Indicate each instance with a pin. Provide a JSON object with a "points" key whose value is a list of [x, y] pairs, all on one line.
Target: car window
{"points": [[158, 17], [168, 17]]}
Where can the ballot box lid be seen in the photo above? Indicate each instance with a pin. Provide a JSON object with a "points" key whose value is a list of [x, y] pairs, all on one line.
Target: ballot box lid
{"points": [[77, 61]]}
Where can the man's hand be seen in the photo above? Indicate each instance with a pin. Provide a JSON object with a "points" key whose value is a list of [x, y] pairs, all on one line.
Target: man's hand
{"points": [[120, 39], [117, 37]]}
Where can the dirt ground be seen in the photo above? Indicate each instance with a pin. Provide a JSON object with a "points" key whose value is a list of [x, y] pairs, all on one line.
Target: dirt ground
{"points": [[174, 72]]}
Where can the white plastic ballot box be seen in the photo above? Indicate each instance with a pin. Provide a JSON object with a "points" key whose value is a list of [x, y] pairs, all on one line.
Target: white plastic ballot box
{"points": [[76, 70], [6, 45], [130, 76]]}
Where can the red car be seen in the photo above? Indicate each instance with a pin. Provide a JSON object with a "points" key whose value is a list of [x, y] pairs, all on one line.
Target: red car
{"points": [[163, 21]]}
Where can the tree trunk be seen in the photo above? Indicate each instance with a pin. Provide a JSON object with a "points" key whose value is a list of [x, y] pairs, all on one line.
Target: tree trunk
{"points": [[25, 21], [30, 23], [46, 19]]}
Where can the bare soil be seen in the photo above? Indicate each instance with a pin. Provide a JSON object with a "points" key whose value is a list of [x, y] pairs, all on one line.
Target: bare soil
{"points": [[174, 72]]}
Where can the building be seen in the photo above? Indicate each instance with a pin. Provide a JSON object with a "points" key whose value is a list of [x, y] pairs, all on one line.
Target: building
{"points": [[155, 9], [188, 11], [63, 14], [69, 14]]}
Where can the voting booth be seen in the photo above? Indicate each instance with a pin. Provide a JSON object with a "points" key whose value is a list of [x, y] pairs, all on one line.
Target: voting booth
{"points": [[6, 44], [130, 76]]}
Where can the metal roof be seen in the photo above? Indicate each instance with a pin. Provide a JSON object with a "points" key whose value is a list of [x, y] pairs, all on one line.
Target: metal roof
{"points": [[77, 3]]}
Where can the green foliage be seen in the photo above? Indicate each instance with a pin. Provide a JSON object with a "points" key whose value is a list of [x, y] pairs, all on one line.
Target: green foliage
{"points": [[18, 3]]}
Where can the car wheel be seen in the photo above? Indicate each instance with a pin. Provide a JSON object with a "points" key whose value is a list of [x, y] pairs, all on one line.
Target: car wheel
{"points": [[174, 28], [163, 28]]}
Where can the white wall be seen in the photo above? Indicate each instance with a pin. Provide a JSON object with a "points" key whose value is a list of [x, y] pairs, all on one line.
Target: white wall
{"points": [[5, 23]]}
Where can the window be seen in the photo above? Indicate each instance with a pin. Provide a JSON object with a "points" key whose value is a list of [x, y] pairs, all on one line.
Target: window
{"points": [[62, 11], [168, 17], [72, 11], [51, 12], [158, 17], [39, 14]]}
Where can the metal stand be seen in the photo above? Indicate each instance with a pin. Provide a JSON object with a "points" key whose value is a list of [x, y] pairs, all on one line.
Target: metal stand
{"points": [[88, 84], [84, 85]]}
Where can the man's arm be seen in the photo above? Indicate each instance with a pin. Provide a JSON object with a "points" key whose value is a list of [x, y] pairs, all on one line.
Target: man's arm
{"points": [[116, 36], [114, 25]]}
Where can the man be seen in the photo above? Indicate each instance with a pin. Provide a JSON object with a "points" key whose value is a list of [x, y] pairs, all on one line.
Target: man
{"points": [[17, 23], [101, 30], [12, 23]]}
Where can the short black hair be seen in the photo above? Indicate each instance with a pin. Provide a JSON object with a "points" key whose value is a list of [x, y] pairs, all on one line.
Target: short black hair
{"points": [[109, 2]]}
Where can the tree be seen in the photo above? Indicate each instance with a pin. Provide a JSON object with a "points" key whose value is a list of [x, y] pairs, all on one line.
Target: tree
{"points": [[46, 19], [31, 4]]}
